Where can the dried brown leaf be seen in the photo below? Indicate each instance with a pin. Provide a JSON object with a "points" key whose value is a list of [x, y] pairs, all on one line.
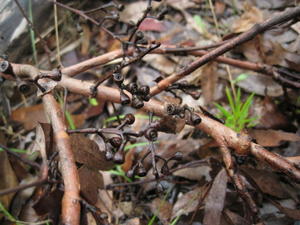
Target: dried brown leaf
{"points": [[162, 209], [90, 182], [133, 221], [268, 182], [291, 213], [271, 117], [32, 115], [251, 16], [195, 173], [272, 138], [234, 218], [209, 79], [8, 179], [214, 202], [49, 203], [188, 202], [87, 152]]}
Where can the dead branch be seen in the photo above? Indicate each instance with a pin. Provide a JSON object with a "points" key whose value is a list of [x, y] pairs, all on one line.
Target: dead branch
{"points": [[240, 39], [223, 135], [70, 202]]}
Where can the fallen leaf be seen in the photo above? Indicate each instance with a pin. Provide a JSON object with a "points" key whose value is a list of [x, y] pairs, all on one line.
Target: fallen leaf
{"points": [[214, 202], [49, 203], [270, 116], [209, 79], [90, 182], [29, 116], [8, 179], [134, 11], [291, 213], [251, 16], [150, 24], [181, 4], [268, 182], [257, 83], [188, 202], [133, 221], [234, 218], [105, 197], [272, 138], [160, 62], [32, 115], [195, 173], [86, 37], [219, 8], [162, 209], [88, 153]]}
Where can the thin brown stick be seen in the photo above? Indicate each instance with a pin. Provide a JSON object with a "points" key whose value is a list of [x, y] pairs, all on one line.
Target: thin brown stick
{"points": [[257, 67], [70, 202], [236, 179], [242, 38], [17, 156]]}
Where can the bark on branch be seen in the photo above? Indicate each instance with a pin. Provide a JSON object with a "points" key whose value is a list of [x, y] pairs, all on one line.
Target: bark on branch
{"points": [[70, 202]]}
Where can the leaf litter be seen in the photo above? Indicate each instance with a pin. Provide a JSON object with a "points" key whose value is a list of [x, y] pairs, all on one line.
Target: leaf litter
{"points": [[193, 194]]}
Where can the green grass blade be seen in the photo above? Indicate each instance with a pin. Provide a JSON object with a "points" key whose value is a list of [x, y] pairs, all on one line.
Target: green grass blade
{"points": [[223, 110], [32, 35], [70, 120], [16, 150], [230, 100]]}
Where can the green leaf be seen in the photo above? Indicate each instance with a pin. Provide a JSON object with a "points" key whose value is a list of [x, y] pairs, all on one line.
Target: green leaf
{"points": [[223, 110], [199, 21], [93, 101], [240, 77], [70, 120], [230, 100], [137, 145]]}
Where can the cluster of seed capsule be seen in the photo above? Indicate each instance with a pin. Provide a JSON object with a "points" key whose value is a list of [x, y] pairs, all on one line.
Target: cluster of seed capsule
{"points": [[139, 93], [181, 111], [115, 145]]}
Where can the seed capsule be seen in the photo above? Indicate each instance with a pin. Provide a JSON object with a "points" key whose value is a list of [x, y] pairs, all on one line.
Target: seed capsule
{"points": [[132, 88], [103, 216], [130, 173], [141, 171], [178, 156], [195, 119], [144, 90], [151, 134], [118, 78], [109, 155], [119, 157], [5, 67], [137, 102], [125, 100], [129, 118], [165, 170], [146, 98], [172, 109], [115, 141], [139, 35], [24, 87]]}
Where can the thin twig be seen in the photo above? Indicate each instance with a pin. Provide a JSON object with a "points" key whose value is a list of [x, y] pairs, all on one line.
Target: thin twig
{"points": [[242, 38]]}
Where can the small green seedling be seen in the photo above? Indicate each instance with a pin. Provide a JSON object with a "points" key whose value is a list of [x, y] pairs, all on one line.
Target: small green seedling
{"points": [[237, 117]]}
